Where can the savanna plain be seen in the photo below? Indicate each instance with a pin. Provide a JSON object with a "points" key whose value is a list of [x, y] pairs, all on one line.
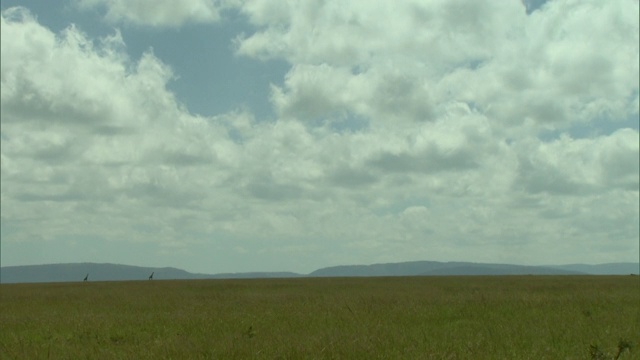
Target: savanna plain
{"points": [[473, 317]]}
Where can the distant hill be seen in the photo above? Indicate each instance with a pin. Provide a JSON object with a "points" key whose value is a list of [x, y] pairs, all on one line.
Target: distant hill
{"points": [[435, 268], [114, 272], [97, 272], [499, 269], [604, 269]]}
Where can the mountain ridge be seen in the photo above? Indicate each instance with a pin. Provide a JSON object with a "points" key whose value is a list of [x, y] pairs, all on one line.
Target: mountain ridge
{"points": [[71, 272]]}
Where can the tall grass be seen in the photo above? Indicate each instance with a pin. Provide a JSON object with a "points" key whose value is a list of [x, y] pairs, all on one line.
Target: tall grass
{"points": [[523, 317]]}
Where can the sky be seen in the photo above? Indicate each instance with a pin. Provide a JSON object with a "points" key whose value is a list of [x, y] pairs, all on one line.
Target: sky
{"points": [[273, 135]]}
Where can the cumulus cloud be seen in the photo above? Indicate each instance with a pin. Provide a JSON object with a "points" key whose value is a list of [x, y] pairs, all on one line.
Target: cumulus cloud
{"points": [[403, 131], [555, 67], [156, 13], [576, 166], [82, 122]]}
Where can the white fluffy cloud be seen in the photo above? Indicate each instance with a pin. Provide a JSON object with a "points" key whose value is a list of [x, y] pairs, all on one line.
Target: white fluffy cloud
{"points": [[411, 130], [158, 12], [572, 62], [576, 166], [82, 125]]}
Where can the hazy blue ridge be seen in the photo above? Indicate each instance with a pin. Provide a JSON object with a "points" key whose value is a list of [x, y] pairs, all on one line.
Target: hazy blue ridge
{"points": [[603, 269], [114, 272], [440, 268], [96, 272], [500, 270]]}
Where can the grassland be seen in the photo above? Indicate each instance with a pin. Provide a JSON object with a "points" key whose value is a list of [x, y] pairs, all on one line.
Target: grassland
{"points": [[519, 317]]}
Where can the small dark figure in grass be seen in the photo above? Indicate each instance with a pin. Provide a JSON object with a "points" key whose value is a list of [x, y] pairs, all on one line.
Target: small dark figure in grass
{"points": [[86, 278], [151, 276], [250, 333]]}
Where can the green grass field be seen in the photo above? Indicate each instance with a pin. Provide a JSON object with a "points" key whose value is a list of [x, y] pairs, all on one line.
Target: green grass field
{"points": [[513, 317]]}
